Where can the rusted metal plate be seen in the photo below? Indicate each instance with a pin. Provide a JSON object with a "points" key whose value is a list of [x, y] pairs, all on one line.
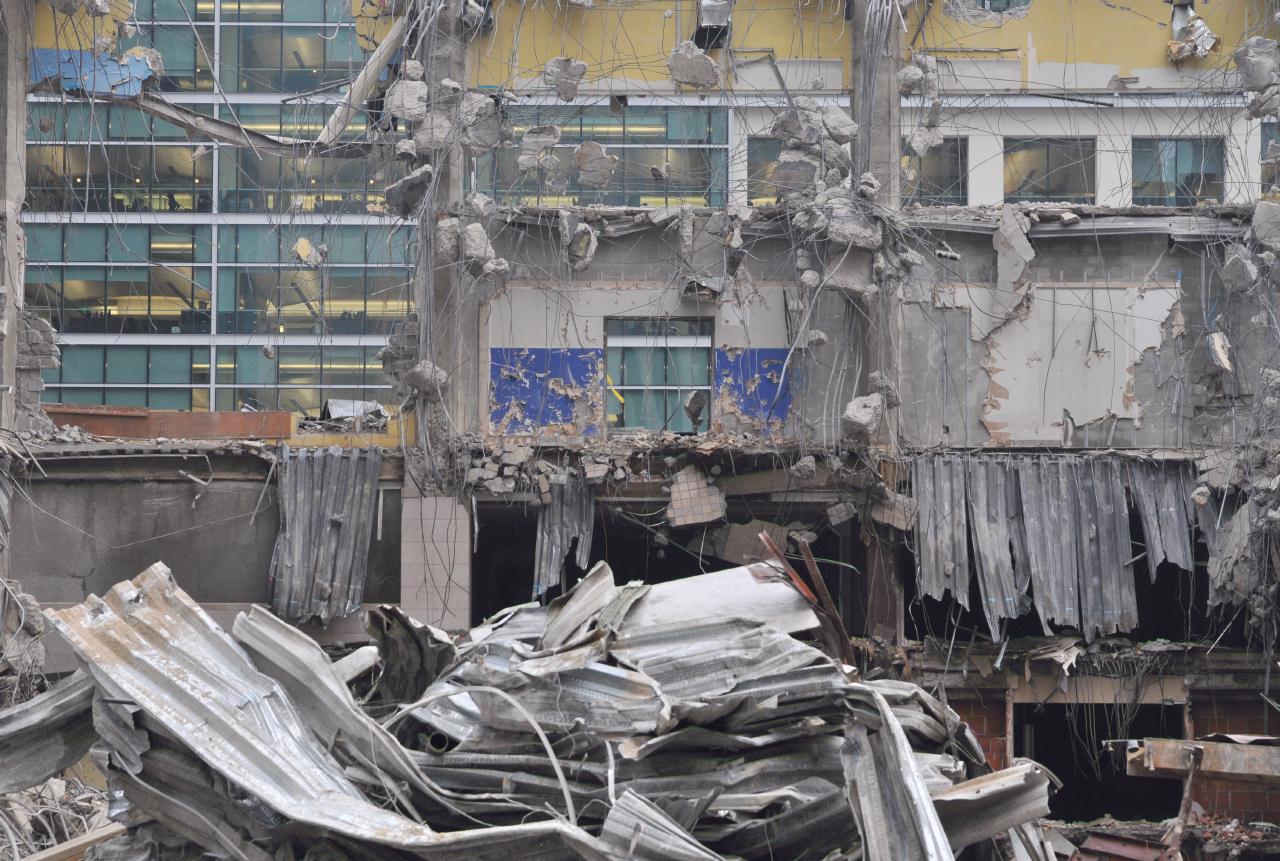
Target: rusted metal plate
{"points": [[1113, 847], [1165, 757], [140, 423]]}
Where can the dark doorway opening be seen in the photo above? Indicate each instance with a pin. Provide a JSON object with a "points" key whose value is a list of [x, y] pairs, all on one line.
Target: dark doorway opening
{"points": [[1068, 740]]}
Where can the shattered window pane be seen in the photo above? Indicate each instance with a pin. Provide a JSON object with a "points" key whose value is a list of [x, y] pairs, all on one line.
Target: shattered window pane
{"points": [[1177, 171], [1050, 169], [940, 177]]}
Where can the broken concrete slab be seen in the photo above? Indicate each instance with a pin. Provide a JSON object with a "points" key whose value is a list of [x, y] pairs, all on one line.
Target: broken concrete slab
{"points": [[483, 127], [1258, 62], [1014, 253], [595, 165], [1239, 272], [307, 253], [448, 239], [689, 65], [477, 250], [694, 499], [564, 75], [435, 132], [428, 380]]}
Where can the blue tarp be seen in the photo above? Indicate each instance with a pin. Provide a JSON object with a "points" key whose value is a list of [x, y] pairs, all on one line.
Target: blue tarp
{"points": [[89, 73]]}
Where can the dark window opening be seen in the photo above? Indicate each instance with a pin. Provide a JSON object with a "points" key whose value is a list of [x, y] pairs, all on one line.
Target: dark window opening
{"points": [[1177, 171], [1067, 739], [1050, 169], [939, 177]]}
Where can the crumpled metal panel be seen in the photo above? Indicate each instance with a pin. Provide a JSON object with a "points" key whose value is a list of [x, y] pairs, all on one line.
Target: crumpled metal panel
{"points": [[328, 498], [991, 524], [571, 514], [148, 642], [45, 734]]}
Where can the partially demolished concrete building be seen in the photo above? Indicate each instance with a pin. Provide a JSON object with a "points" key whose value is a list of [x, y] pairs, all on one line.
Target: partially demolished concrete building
{"points": [[946, 342]]}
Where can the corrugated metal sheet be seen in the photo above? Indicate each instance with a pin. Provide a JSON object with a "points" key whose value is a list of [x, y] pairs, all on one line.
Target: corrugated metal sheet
{"points": [[328, 498], [1162, 492], [571, 514], [1055, 527], [45, 734]]}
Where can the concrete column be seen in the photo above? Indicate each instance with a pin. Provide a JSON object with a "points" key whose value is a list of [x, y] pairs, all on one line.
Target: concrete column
{"points": [[1114, 162], [986, 169], [435, 561], [15, 32], [878, 145]]}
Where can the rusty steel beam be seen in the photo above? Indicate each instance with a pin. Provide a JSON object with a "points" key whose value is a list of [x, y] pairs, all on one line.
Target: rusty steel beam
{"points": [[1167, 757]]}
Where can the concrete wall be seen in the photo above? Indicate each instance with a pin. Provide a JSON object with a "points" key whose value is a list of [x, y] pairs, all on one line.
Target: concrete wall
{"points": [[1114, 334]]}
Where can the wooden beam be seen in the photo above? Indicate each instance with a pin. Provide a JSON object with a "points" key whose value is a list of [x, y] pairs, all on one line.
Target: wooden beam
{"points": [[1167, 757], [74, 849]]}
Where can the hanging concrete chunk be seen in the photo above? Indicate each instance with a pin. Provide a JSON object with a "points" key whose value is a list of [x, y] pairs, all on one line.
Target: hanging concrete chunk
{"points": [[689, 65], [1239, 272], [307, 253], [838, 124], [595, 165], [694, 500], [448, 235], [846, 224], [1258, 62], [482, 123], [434, 133], [564, 75], [409, 98], [427, 380], [536, 149], [862, 418], [405, 194], [581, 247], [1266, 224]]}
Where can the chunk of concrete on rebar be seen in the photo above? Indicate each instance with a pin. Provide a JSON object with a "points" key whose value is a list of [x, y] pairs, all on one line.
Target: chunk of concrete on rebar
{"points": [[1239, 271], [581, 247], [427, 380], [838, 124], [536, 148], [810, 279], [481, 120], [435, 132], [924, 138], [795, 173], [879, 382], [853, 278], [448, 237], [689, 65], [480, 205], [564, 74], [846, 224], [412, 70], [1266, 224], [595, 165], [868, 186], [476, 247], [1258, 62], [409, 100], [800, 125], [862, 417], [910, 79], [406, 194]]}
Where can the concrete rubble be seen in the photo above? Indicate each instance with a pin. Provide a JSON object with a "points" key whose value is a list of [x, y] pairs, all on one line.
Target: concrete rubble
{"points": [[705, 717], [564, 75], [690, 66]]}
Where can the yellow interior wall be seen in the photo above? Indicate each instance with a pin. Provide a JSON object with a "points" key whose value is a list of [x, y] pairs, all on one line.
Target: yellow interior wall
{"points": [[1133, 35], [632, 41], [76, 32]]}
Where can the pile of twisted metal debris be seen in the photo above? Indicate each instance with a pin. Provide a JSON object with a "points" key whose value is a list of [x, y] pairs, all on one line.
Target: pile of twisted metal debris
{"points": [[702, 718]]}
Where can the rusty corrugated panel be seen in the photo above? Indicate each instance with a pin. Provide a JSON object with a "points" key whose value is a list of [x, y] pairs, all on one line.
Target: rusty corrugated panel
{"points": [[142, 423], [328, 498]]}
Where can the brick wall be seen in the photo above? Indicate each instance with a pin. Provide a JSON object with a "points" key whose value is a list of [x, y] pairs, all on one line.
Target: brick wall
{"points": [[985, 717], [1235, 713]]}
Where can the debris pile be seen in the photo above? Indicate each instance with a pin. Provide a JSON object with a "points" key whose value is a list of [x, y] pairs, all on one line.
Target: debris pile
{"points": [[55, 812], [704, 718]]}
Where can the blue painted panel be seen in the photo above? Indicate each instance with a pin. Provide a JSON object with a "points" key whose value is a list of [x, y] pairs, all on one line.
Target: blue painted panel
{"points": [[524, 395], [753, 379], [86, 72]]}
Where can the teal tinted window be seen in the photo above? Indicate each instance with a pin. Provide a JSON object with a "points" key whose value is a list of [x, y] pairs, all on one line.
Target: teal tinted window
{"points": [[82, 363], [127, 365], [44, 242]]}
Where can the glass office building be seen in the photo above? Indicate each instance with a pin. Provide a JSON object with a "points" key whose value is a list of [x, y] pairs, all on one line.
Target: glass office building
{"points": [[166, 263]]}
